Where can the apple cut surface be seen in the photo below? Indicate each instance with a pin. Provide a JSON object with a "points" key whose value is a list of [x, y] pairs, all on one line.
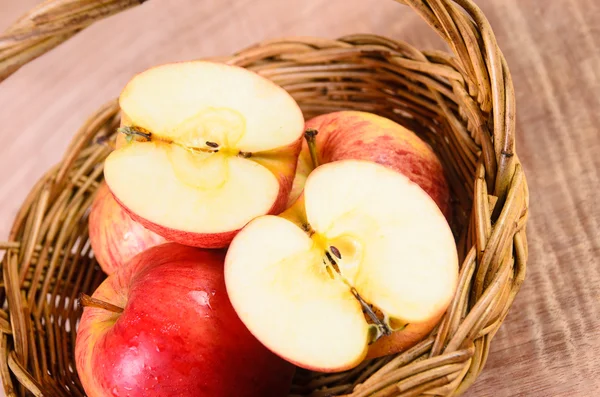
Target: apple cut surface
{"points": [[281, 290], [361, 236], [216, 199], [209, 147]]}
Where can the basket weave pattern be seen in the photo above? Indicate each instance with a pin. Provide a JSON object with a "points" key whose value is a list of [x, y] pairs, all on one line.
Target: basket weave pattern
{"points": [[462, 103]]}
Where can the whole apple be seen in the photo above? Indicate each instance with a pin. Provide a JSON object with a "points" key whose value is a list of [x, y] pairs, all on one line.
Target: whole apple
{"points": [[355, 135], [114, 236], [164, 326]]}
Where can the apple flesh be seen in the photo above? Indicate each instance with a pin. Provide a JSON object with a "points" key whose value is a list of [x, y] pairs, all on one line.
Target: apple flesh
{"points": [[207, 148], [359, 135], [163, 326], [362, 253], [114, 236]]}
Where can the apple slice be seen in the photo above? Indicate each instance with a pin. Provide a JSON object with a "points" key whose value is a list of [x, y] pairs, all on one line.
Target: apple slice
{"points": [[361, 254], [207, 148]]}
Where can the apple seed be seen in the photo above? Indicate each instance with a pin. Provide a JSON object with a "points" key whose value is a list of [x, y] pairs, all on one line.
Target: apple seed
{"points": [[335, 252]]}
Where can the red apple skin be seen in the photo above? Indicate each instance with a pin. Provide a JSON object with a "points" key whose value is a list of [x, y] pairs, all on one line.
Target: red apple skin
{"points": [[114, 236], [178, 334], [365, 136], [403, 340], [281, 162]]}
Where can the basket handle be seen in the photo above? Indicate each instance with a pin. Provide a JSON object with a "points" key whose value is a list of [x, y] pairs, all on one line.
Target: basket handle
{"points": [[460, 23], [48, 25]]}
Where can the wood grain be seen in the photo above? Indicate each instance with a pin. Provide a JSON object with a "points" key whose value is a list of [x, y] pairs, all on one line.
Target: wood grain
{"points": [[550, 342]]}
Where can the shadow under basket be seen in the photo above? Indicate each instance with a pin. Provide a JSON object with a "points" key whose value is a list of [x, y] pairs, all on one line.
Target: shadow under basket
{"points": [[462, 103]]}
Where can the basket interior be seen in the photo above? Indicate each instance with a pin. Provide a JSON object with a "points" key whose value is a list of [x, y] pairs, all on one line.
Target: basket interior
{"points": [[417, 89]]}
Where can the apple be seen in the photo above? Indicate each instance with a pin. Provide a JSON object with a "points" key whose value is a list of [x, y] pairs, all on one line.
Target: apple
{"points": [[163, 326], [365, 136], [114, 236], [361, 135], [364, 252], [205, 148]]}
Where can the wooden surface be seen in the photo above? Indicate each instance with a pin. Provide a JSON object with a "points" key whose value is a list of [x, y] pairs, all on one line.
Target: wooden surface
{"points": [[550, 343]]}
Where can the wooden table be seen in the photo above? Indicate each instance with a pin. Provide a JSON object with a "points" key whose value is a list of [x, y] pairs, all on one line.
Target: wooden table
{"points": [[550, 342]]}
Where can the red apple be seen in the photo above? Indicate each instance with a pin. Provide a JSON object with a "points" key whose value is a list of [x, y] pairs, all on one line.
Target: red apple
{"points": [[209, 147], [364, 254], [358, 135], [114, 236], [163, 326]]}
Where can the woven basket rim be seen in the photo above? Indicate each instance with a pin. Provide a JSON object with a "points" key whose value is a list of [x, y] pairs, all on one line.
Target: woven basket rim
{"points": [[463, 103]]}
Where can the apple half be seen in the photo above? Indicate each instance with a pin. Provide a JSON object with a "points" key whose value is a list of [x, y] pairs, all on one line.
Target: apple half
{"points": [[204, 148], [363, 253]]}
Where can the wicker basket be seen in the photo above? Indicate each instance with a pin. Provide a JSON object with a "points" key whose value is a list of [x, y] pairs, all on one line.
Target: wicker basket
{"points": [[463, 104]]}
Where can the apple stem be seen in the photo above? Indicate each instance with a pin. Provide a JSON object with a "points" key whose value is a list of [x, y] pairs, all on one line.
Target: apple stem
{"points": [[130, 132], [87, 301], [245, 154], [383, 327], [310, 136]]}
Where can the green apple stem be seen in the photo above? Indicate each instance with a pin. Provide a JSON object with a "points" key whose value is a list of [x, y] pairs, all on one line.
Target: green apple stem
{"points": [[310, 135], [87, 301], [131, 132]]}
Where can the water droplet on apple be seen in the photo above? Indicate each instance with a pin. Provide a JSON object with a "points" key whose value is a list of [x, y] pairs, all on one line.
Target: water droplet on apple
{"points": [[200, 297], [115, 391], [169, 327]]}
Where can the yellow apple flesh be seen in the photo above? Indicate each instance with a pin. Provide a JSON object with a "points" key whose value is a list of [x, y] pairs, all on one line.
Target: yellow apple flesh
{"points": [[361, 236]]}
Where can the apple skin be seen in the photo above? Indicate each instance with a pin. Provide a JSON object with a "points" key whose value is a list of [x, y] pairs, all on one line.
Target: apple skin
{"points": [[114, 236], [404, 339], [365, 136], [178, 334], [281, 162]]}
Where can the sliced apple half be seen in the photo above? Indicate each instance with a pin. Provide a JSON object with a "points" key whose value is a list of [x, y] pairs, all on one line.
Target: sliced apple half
{"points": [[204, 148], [361, 254]]}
